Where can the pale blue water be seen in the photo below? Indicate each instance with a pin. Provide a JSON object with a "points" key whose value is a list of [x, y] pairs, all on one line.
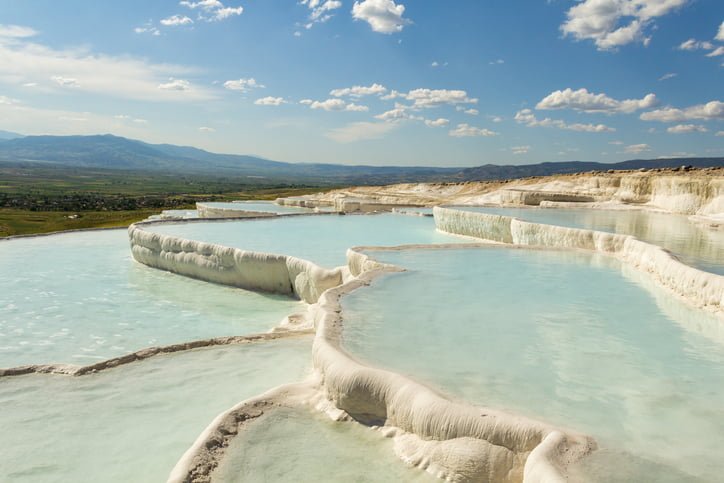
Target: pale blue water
{"points": [[570, 338], [298, 446], [322, 239], [134, 422], [694, 244], [265, 206], [80, 297]]}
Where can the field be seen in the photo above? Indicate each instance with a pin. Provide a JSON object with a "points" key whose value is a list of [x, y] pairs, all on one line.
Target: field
{"points": [[45, 199]]}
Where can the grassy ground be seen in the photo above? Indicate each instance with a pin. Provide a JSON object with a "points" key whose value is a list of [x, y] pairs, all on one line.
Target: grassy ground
{"points": [[23, 222], [42, 200]]}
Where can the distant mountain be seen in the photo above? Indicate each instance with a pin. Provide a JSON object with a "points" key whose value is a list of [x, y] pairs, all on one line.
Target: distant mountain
{"points": [[113, 152], [5, 135]]}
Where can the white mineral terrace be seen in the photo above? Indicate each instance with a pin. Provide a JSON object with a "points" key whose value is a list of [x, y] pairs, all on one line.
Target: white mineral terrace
{"points": [[426, 427]]}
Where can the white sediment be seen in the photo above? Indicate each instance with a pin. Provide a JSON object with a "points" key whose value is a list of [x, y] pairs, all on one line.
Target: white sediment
{"points": [[231, 266], [699, 288], [212, 212], [455, 441]]}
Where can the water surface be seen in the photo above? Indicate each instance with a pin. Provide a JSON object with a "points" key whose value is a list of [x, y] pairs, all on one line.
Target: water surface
{"points": [[134, 422], [80, 297], [693, 243], [322, 239], [297, 446], [571, 338]]}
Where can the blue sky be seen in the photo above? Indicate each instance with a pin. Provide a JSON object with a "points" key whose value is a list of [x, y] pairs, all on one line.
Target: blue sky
{"points": [[403, 82]]}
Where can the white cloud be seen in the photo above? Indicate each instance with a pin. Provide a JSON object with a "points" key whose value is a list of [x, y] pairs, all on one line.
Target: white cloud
{"points": [[719, 134], [399, 113], [616, 143], [668, 76], [243, 85], [441, 122], [140, 121], [321, 10], [384, 16], [270, 101], [471, 112], [125, 117], [686, 128], [175, 85], [65, 81], [710, 111], [613, 23], [720, 33], [716, 52], [207, 5], [211, 10], [28, 63], [16, 31], [693, 44], [392, 95], [495, 118], [359, 91], [466, 130], [427, 98], [176, 20], [361, 131], [520, 149], [352, 107], [147, 29], [207, 129], [527, 117], [7, 101], [328, 105], [582, 100], [496, 62], [637, 148], [334, 105]]}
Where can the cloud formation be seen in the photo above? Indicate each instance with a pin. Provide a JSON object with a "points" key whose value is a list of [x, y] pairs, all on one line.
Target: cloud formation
{"points": [[713, 110], [582, 100], [243, 85], [614, 23], [466, 130], [527, 117], [384, 16]]}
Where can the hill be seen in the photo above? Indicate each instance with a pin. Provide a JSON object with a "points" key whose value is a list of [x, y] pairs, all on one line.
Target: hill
{"points": [[118, 153]]}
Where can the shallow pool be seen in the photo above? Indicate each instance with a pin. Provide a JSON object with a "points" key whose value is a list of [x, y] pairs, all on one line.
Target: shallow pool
{"points": [[264, 206], [80, 297], [694, 244], [322, 239], [134, 422], [566, 337], [298, 446]]}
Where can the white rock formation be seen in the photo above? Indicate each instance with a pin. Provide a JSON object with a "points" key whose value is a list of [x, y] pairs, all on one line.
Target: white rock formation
{"points": [[231, 266], [702, 289]]}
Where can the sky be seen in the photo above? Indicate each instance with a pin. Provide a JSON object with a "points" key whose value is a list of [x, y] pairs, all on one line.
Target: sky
{"points": [[381, 82]]}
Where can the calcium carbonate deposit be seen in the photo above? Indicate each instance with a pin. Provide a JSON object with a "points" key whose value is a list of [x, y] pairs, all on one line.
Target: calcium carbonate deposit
{"points": [[548, 344]]}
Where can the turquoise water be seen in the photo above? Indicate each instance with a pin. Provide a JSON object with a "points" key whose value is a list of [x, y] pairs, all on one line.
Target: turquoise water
{"points": [[297, 446], [265, 206], [80, 297], [322, 239], [570, 338], [134, 422], [694, 244]]}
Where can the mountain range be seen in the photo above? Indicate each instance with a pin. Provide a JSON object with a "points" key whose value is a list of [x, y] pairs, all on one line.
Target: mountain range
{"points": [[114, 152]]}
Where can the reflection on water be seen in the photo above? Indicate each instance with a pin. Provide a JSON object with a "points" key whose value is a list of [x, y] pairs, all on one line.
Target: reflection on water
{"points": [[559, 336], [293, 446], [694, 244], [321, 239], [79, 298], [134, 422]]}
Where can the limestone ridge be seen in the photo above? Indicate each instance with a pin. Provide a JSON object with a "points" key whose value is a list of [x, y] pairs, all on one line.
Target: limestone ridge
{"points": [[267, 272], [699, 288]]}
